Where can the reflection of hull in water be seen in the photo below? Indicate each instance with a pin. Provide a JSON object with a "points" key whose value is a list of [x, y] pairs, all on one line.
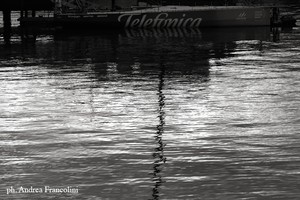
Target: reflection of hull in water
{"points": [[168, 16], [187, 46], [208, 34], [136, 51], [193, 47]]}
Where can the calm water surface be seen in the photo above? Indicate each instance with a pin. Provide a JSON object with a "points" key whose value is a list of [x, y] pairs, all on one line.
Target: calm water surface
{"points": [[171, 114]]}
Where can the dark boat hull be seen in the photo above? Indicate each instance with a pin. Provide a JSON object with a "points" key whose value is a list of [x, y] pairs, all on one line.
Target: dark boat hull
{"points": [[168, 18]]}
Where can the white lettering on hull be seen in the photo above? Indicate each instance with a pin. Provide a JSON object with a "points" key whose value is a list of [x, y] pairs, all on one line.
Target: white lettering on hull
{"points": [[242, 16], [160, 21]]}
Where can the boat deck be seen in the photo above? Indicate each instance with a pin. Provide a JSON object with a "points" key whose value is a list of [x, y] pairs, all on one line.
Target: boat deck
{"points": [[171, 9]]}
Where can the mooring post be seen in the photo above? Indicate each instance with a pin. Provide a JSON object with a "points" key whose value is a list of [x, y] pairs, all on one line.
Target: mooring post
{"points": [[7, 25], [33, 13], [7, 19], [113, 5]]}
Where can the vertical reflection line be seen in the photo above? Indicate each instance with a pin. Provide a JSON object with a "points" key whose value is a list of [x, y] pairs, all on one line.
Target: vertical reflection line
{"points": [[158, 155], [91, 101], [276, 34]]}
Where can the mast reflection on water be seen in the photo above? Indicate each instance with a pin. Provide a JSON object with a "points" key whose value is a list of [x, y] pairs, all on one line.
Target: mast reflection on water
{"points": [[158, 155]]}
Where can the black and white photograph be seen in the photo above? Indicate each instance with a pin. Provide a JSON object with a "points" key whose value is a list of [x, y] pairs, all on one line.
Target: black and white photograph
{"points": [[149, 100]]}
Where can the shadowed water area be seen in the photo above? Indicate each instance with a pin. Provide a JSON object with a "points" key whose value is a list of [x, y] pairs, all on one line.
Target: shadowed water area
{"points": [[152, 114]]}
